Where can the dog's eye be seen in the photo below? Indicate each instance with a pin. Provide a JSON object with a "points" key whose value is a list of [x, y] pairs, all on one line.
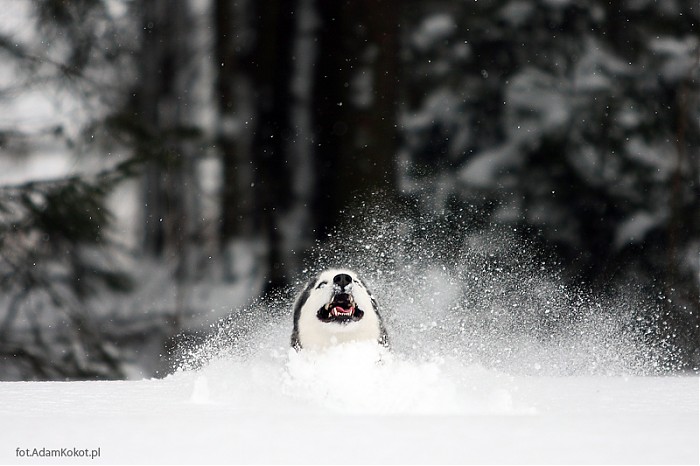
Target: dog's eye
{"points": [[321, 285]]}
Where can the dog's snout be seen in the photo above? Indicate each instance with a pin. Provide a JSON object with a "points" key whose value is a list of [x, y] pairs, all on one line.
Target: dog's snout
{"points": [[342, 280]]}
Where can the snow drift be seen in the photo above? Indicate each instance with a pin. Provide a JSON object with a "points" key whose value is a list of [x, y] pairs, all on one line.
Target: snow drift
{"points": [[355, 404]]}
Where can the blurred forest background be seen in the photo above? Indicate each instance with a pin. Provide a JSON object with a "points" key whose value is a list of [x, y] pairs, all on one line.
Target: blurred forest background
{"points": [[161, 157]]}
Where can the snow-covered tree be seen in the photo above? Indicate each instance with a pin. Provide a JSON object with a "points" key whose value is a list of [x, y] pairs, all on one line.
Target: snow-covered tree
{"points": [[571, 123], [64, 68]]}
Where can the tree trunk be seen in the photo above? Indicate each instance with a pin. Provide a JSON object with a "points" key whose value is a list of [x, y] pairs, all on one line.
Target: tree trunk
{"points": [[165, 105], [161, 97], [355, 107], [273, 69], [234, 45]]}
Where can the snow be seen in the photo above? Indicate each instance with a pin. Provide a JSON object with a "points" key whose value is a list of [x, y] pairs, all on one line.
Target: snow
{"points": [[635, 228], [14, 19], [517, 13], [476, 374], [493, 361], [355, 404], [659, 156], [486, 380], [434, 29], [680, 60], [485, 168], [536, 104]]}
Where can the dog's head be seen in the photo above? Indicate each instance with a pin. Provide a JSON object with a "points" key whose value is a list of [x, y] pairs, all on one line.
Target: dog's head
{"points": [[338, 297], [334, 303]]}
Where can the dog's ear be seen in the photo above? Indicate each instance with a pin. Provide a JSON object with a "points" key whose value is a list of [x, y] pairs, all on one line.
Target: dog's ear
{"points": [[296, 343], [301, 299]]}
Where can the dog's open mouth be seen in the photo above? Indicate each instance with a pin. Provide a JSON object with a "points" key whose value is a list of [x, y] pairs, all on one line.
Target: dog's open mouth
{"points": [[342, 309]]}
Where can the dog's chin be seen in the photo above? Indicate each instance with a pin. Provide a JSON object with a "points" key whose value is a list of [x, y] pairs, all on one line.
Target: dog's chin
{"points": [[341, 310]]}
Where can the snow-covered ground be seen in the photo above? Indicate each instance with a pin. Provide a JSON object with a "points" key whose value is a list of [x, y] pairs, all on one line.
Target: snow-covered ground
{"points": [[353, 404], [492, 361]]}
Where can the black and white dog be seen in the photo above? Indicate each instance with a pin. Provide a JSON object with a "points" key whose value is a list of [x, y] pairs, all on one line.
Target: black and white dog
{"points": [[336, 307]]}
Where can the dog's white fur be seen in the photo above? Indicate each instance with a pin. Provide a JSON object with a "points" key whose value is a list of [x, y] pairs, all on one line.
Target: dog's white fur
{"points": [[312, 333]]}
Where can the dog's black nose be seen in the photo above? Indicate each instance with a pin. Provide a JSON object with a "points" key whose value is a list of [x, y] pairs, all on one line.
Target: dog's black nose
{"points": [[342, 280]]}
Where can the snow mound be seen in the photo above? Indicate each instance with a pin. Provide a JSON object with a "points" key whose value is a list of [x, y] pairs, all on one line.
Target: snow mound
{"points": [[364, 378], [352, 379]]}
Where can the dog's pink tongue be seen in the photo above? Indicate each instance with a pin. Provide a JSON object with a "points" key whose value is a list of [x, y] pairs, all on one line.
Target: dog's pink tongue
{"points": [[341, 310]]}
